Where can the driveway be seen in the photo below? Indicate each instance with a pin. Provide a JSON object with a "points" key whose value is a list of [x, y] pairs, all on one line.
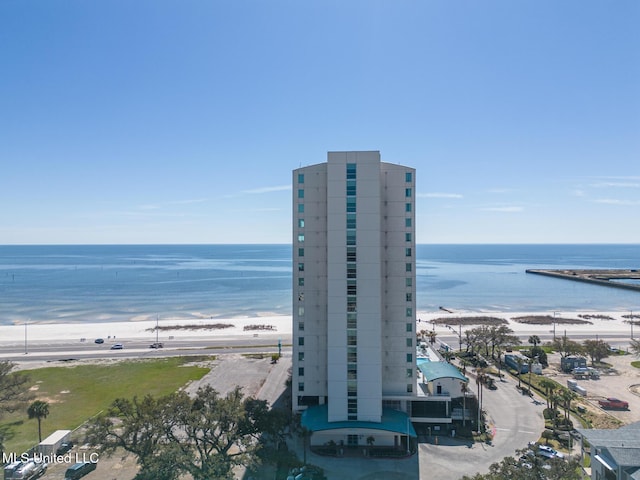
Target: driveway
{"points": [[514, 419]]}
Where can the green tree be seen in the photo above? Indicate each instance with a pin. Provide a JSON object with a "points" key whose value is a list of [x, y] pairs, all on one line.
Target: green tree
{"points": [[14, 392], [534, 340], [596, 349], [566, 347], [38, 410], [549, 386], [529, 466], [205, 436], [634, 347], [14, 389]]}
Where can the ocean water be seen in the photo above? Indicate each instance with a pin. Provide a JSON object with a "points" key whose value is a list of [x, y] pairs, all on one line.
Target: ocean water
{"points": [[65, 283]]}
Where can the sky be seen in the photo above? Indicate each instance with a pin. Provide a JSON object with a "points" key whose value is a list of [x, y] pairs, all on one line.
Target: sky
{"points": [[131, 121]]}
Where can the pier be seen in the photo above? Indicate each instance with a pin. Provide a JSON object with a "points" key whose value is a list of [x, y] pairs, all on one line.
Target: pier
{"points": [[604, 277]]}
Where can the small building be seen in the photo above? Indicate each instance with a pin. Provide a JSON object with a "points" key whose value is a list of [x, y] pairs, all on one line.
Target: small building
{"points": [[570, 363], [517, 361], [50, 444], [615, 454]]}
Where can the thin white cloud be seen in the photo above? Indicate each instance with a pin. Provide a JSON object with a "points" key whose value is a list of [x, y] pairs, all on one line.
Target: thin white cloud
{"points": [[255, 191], [616, 201], [500, 190], [578, 193], [616, 185], [157, 206], [439, 195], [507, 209]]}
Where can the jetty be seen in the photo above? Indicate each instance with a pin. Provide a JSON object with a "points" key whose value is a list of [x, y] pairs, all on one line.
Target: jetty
{"points": [[604, 277]]}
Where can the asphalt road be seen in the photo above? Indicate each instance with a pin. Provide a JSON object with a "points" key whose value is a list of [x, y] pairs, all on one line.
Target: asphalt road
{"points": [[58, 351]]}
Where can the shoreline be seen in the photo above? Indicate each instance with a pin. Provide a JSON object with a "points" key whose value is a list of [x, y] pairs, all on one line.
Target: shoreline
{"points": [[272, 325]]}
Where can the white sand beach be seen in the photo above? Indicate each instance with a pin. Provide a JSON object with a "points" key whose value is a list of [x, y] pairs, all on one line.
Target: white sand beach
{"points": [[281, 326]]}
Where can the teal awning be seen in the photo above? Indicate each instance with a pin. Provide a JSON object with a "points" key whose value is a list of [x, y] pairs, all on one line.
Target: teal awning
{"points": [[315, 419], [435, 370]]}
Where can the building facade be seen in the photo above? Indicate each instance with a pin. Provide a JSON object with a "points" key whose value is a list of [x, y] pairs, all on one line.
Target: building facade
{"points": [[354, 351]]}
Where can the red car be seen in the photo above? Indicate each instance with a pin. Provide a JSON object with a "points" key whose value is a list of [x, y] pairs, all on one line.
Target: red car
{"points": [[614, 403]]}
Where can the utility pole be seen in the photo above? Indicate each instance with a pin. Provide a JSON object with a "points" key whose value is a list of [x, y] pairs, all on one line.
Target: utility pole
{"points": [[26, 350]]}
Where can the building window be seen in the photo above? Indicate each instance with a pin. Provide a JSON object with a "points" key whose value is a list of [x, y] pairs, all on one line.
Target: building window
{"points": [[352, 320], [351, 204], [409, 297], [352, 388], [301, 267], [407, 236], [351, 171], [301, 386], [351, 270], [352, 371], [409, 342], [301, 311], [301, 178], [351, 305], [409, 357], [301, 371], [351, 237], [301, 238], [352, 406], [407, 222], [409, 281], [409, 388], [409, 372], [352, 340], [301, 281], [301, 341], [301, 193], [351, 220], [351, 254], [407, 177], [409, 327], [351, 187], [301, 326], [407, 207], [409, 312], [301, 222], [301, 208], [301, 356], [407, 252], [352, 355], [352, 289], [407, 192], [408, 267], [301, 252]]}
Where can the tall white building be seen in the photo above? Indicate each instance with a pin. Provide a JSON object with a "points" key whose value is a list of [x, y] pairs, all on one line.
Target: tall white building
{"points": [[354, 300]]}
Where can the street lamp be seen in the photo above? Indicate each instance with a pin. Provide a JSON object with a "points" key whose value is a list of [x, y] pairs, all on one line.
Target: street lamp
{"points": [[554, 325]]}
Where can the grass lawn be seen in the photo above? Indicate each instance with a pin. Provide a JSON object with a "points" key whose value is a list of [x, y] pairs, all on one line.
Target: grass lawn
{"points": [[636, 364], [77, 393]]}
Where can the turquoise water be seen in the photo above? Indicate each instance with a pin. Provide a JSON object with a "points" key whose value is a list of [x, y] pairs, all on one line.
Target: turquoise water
{"points": [[123, 282]]}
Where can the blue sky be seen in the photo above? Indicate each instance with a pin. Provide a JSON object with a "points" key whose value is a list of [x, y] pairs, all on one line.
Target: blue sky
{"points": [[179, 122]]}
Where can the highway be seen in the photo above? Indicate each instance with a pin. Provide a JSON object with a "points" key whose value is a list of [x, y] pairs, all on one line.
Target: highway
{"points": [[43, 351]]}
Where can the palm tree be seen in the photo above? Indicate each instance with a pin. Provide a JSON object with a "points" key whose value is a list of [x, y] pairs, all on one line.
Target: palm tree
{"points": [[548, 385], [38, 410], [534, 340], [567, 397]]}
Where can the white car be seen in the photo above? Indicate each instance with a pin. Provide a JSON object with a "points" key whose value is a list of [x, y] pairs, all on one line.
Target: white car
{"points": [[549, 452]]}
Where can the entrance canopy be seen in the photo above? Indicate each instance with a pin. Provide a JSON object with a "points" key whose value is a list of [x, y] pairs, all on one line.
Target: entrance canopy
{"points": [[315, 419]]}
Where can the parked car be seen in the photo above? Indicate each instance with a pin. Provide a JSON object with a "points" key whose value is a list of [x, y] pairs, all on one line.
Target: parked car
{"points": [[117, 346], [99, 340], [614, 403], [28, 470], [548, 452], [156, 345], [64, 448], [79, 470]]}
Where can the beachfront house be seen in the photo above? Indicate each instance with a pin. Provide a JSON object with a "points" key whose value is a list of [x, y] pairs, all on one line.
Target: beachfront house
{"points": [[613, 454]]}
